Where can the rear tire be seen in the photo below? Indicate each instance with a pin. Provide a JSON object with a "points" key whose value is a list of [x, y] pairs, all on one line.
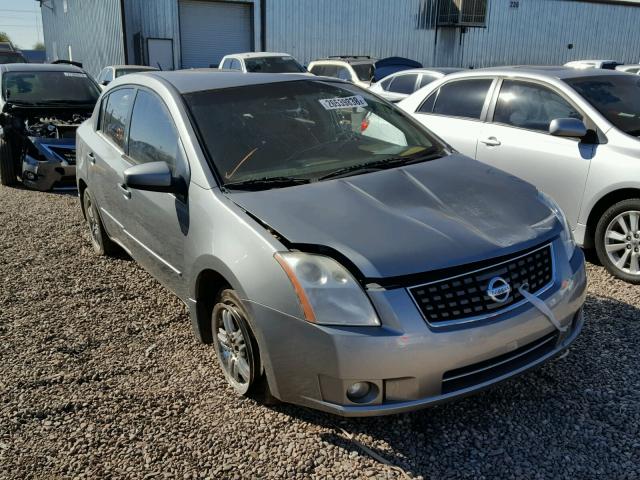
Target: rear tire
{"points": [[8, 164], [617, 240], [237, 348], [100, 241]]}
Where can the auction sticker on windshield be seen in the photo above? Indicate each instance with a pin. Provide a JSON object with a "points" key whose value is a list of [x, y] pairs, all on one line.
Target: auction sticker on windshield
{"points": [[343, 102]]}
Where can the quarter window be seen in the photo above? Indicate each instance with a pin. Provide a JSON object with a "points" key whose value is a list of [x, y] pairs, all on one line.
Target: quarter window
{"points": [[403, 84], [116, 113], [426, 80], [531, 106], [152, 135], [463, 98]]}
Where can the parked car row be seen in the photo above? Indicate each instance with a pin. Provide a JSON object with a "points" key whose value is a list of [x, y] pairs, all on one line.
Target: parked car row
{"points": [[339, 251]]}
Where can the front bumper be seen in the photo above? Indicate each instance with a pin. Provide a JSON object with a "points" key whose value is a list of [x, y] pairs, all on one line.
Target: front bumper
{"points": [[411, 365], [47, 174]]}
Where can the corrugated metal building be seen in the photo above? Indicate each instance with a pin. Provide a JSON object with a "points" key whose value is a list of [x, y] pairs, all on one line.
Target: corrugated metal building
{"points": [[468, 33]]}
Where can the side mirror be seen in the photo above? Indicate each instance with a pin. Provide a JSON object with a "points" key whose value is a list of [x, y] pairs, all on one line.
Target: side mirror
{"points": [[152, 177], [567, 127], [104, 83]]}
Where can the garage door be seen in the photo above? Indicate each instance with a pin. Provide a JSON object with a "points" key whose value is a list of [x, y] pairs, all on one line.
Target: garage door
{"points": [[211, 30]]}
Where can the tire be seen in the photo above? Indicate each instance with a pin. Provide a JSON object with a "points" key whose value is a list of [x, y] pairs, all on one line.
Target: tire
{"points": [[236, 348], [8, 164], [100, 241], [617, 240]]}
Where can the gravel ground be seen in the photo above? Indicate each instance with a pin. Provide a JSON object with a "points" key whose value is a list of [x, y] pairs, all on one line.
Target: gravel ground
{"points": [[101, 377]]}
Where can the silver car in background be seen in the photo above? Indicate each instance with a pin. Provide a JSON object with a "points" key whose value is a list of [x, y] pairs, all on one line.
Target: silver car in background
{"points": [[400, 85], [335, 253], [572, 133]]}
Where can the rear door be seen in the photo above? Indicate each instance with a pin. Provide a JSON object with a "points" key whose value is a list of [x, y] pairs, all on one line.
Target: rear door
{"points": [[157, 223], [455, 112], [518, 141], [106, 163]]}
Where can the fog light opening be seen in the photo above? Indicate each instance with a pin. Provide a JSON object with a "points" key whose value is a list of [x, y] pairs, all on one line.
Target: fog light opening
{"points": [[362, 392], [29, 175]]}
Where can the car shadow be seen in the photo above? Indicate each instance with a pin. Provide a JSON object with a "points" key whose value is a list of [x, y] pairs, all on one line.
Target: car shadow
{"points": [[573, 417]]}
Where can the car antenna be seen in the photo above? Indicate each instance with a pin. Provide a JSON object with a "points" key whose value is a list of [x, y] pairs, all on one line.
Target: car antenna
{"points": [[159, 66]]}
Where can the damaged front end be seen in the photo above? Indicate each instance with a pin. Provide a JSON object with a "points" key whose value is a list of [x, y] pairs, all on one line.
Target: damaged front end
{"points": [[48, 154]]}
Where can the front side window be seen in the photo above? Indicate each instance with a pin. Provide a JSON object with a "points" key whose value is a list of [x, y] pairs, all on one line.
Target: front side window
{"points": [[616, 97], [531, 106], [124, 71], [403, 84], [152, 135], [115, 116], [302, 130], [11, 58], [462, 98], [52, 87], [273, 65]]}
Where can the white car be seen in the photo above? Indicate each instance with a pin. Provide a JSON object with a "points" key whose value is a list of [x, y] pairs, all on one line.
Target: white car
{"points": [[586, 64], [400, 85], [573, 133], [108, 74], [355, 69], [261, 62], [633, 68]]}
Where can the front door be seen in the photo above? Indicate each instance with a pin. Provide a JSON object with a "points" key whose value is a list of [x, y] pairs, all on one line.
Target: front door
{"points": [[157, 222], [518, 141]]}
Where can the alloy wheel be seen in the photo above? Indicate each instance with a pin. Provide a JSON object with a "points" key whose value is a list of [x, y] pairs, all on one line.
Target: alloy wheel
{"points": [[94, 226], [231, 347], [622, 242]]}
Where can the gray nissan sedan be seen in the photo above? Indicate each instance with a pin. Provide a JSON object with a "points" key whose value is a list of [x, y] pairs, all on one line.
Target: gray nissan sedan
{"points": [[335, 253]]}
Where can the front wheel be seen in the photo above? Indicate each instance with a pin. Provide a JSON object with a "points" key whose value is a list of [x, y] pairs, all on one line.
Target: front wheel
{"points": [[235, 346], [618, 240], [8, 164]]}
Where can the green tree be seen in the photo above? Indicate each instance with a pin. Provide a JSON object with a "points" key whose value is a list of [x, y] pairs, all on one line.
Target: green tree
{"points": [[39, 46], [4, 37]]}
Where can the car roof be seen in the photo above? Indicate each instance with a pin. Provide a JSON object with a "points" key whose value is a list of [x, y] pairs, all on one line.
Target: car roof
{"points": [[259, 54], [137, 67], [39, 67], [202, 79], [443, 70], [558, 72]]}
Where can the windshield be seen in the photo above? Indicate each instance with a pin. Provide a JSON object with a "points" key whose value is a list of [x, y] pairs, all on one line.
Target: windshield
{"points": [[273, 65], [49, 87], [616, 97], [302, 130], [125, 71], [364, 71], [11, 58]]}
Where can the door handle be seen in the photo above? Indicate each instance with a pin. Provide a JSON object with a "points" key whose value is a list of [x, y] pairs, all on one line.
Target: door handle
{"points": [[491, 142], [92, 158], [124, 190]]}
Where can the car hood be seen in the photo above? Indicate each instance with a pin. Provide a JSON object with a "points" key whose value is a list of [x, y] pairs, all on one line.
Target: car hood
{"points": [[408, 220]]}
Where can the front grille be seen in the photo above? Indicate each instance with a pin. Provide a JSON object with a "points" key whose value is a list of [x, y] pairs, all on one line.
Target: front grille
{"points": [[464, 297], [472, 375], [67, 154]]}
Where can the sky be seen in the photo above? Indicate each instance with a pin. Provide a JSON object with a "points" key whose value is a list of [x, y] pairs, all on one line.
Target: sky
{"points": [[21, 20]]}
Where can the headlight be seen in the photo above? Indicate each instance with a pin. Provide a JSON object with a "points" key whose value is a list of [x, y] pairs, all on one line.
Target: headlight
{"points": [[328, 293], [566, 236]]}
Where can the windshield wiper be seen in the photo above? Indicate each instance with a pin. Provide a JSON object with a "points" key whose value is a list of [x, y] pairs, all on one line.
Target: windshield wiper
{"points": [[266, 183], [382, 164]]}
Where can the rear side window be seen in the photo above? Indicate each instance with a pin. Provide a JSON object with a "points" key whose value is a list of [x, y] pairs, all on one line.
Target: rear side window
{"points": [[531, 106], [403, 84], [152, 136], [426, 80], [462, 98], [235, 64], [116, 113]]}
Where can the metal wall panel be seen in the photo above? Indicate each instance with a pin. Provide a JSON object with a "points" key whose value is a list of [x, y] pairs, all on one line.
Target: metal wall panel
{"points": [[537, 32], [151, 19], [92, 28]]}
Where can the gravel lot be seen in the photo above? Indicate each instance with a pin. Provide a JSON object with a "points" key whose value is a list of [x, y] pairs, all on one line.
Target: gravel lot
{"points": [[100, 377]]}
